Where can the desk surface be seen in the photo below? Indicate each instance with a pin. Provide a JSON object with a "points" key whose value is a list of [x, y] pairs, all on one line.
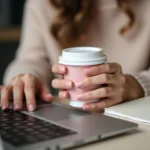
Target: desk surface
{"points": [[136, 140]]}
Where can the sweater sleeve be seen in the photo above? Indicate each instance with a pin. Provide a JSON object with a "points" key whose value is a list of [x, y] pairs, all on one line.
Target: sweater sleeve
{"points": [[143, 78], [31, 56]]}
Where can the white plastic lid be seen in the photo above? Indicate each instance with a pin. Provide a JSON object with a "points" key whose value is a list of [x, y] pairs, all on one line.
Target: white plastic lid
{"points": [[82, 56]]}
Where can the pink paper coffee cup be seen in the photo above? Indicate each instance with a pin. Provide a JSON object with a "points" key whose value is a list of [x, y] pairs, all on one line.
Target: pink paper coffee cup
{"points": [[76, 60]]}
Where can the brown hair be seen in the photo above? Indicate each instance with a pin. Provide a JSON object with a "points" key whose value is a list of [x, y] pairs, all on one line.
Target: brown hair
{"points": [[74, 19]]}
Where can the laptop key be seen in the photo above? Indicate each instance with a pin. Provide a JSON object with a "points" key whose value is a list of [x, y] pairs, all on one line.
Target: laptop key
{"points": [[20, 129]]}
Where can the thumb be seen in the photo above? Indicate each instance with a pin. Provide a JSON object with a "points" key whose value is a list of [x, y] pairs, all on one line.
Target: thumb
{"points": [[45, 93]]}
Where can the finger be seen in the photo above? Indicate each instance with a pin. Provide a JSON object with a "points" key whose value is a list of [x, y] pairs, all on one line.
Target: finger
{"points": [[5, 95], [45, 93], [103, 68], [97, 94], [62, 84], [63, 94], [97, 80], [59, 69], [94, 107], [97, 106], [18, 92], [30, 84]]}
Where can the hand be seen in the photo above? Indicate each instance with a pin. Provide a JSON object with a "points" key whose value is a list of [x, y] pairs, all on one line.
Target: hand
{"points": [[59, 83], [112, 93], [21, 85]]}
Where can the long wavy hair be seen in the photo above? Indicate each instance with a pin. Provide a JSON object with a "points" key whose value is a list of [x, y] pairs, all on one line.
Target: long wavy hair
{"points": [[75, 17]]}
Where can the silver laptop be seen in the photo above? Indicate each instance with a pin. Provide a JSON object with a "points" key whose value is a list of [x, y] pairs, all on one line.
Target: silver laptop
{"points": [[55, 127]]}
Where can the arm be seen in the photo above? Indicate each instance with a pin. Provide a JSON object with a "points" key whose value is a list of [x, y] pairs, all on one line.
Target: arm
{"points": [[31, 56]]}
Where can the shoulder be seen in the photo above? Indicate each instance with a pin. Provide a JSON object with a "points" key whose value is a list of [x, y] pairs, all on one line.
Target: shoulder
{"points": [[41, 7], [37, 3]]}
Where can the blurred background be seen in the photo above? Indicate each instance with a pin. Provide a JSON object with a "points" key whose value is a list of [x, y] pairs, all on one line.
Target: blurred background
{"points": [[11, 12]]}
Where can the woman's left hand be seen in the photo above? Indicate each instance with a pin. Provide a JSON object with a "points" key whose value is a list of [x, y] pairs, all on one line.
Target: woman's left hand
{"points": [[109, 74]]}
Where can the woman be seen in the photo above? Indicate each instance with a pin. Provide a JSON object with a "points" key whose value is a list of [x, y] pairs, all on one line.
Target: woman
{"points": [[121, 27]]}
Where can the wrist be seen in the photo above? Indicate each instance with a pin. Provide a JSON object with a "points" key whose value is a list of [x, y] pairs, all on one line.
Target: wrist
{"points": [[132, 89]]}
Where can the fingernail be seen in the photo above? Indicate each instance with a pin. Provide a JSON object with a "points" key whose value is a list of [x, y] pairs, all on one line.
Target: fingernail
{"points": [[79, 97], [4, 107], [79, 84], [65, 95], [50, 98], [86, 107], [31, 107], [50, 95], [68, 84], [62, 69], [87, 71], [17, 107]]}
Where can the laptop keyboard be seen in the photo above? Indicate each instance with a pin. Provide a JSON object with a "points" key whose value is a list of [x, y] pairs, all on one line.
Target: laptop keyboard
{"points": [[20, 129]]}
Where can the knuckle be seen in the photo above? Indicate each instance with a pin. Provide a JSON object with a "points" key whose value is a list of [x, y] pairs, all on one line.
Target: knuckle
{"points": [[105, 78], [105, 91], [28, 76], [118, 66], [16, 78], [99, 105], [94, 107], [123, 79], [106, 104], [88, 81], [29, 87], [89, 95], [107, 67], [4, 88], [18, 85]]}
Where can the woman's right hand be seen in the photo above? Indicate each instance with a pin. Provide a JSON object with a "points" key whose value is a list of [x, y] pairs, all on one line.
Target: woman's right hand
{"points": [[23, 85]]}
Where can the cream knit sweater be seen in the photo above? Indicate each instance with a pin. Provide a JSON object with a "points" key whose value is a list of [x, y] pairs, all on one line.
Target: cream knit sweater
{"points": [[39, 50]]}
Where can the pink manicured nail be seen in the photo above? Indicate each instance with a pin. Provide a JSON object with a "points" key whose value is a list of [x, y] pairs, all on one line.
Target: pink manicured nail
{"points": [[65, 95], [49, 95], [4, 107], [31, 107], [62, 68], [17, 107], [68, 84], [86, 107], [79, 84], [79, 97], [87, 71]]}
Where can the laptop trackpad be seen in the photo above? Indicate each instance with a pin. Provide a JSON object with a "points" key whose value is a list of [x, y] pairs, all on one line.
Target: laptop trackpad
{"points": [[57, 112]]}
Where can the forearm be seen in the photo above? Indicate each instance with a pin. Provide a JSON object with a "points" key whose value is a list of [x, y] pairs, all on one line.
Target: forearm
{"points": [[39, 69], [132, 89]]}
